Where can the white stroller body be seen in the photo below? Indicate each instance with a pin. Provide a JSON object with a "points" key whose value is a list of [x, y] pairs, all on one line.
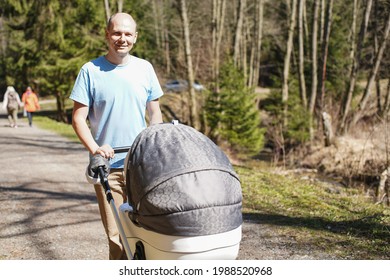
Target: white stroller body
{"points": [[156, 246], [184, 198]]}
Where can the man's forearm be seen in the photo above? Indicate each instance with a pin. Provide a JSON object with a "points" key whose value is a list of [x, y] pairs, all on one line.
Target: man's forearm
{"points": [[154, 112], [84, 134], [156, 118]]}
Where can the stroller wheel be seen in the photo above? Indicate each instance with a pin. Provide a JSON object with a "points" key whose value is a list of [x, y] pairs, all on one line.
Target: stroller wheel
{"points": [[139, 251]]}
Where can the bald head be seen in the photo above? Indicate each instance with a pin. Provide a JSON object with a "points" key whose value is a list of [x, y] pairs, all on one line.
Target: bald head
{"points": [[121, 35], [120, 17]]}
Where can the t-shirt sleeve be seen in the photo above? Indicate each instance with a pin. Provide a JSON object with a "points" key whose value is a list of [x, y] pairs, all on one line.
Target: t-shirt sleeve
{"points": [[81, 89], [155, 87]]}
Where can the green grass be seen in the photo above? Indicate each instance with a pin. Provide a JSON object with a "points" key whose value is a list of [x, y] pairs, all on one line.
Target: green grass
{"points": [[62, 129], [346, 224], [45, 119]]}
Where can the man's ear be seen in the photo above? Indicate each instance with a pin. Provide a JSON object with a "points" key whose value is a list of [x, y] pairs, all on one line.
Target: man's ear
{"points": [[135, 37]]}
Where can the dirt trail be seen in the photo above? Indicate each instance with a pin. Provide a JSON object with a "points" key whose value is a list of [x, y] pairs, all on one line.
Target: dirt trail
{"points": [[49, 211]]}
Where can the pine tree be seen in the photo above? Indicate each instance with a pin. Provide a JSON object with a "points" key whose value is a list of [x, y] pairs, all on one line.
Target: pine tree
{"points": [[232, 115]]}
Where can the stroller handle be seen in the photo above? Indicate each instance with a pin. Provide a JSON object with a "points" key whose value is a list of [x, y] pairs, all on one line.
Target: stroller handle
{"points": [[122, 149], [110, 200]]}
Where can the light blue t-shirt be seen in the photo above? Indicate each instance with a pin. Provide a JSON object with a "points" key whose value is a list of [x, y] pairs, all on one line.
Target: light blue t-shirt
{"points": [[117, 97]]}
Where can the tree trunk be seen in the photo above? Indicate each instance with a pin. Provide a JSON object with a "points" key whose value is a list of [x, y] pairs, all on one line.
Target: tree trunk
{"points": [[325, 46], [238, 33], [382, 194], [257, 43], [355, 67], [302, 83], [314, 71], [353, 31], [305, 24], [386, 105], [214, 30], [157, 23], [107, 9], [376, 47], [3, 43], [373, 73], [61, 111], [327, 129], [120, 6], [243, 50], [252, 64], [165, 40], [378, 96], [322, 21], [348, 96], [287, 59], [190, 72], [219, 7]]}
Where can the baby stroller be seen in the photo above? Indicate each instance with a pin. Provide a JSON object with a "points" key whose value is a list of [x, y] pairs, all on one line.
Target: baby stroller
{"points": [[184, 198]]}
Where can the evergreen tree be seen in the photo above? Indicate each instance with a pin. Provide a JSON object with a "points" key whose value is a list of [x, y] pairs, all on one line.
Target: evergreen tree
{"points": [[297, 131], [73, 34], [231, 115], [48, 41]]}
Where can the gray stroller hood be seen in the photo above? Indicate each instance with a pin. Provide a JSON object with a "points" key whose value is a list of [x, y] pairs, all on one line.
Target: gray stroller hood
{"points": [[180, 183]]}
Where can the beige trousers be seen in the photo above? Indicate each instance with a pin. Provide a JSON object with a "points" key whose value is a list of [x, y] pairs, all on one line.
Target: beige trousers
{"points": [[116, 181], [13, 116]]}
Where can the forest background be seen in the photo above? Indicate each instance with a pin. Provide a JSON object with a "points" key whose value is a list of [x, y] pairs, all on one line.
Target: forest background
{"points": [[303, 82]]}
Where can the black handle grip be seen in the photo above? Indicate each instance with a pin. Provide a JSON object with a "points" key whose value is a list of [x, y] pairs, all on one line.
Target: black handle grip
{"points": [[122, 149], [104, 182]]}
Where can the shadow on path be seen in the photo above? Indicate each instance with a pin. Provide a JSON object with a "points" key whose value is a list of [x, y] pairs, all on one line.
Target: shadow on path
{"points": [[48, 209]]}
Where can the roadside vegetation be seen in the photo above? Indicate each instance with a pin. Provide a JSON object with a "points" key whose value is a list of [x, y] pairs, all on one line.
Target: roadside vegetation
{"points": [[62, 129], [46, 119], [342, 221]]}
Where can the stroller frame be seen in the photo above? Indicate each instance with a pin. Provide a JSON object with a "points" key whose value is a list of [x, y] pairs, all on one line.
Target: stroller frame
{"points": [[110, 199]]}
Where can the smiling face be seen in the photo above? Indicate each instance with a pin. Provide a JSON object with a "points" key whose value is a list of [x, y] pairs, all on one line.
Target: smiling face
{"points": [[121, 35]]}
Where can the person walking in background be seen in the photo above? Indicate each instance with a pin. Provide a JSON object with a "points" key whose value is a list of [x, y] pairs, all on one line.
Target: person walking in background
{"points": [[12, 103], [114, 92], [31, 103]]}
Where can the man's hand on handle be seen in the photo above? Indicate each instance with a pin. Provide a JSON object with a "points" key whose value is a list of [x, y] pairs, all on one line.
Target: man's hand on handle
{"points": [[95, 162]]}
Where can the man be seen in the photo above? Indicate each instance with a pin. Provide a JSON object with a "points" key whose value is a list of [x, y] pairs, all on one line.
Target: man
{"points": [[113, 92]]}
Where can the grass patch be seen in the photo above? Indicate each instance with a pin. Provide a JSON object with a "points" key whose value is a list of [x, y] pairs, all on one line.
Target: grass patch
{"points": [[45, 119], [62, 129], [346, 223]]}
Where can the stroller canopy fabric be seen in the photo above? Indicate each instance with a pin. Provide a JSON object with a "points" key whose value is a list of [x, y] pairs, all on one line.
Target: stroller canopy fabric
{"points": [[180, 183]]}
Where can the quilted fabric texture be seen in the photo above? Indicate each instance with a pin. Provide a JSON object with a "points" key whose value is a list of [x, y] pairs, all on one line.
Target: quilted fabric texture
{"points": [[180, 183]]}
